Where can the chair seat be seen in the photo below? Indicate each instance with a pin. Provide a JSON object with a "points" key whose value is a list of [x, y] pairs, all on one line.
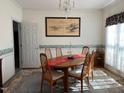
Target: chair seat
{"points": [[77, 74], [57, 75]]}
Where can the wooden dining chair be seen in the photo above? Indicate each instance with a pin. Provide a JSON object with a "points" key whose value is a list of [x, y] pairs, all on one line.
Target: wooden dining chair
{"points": [[91, 62], [58, 52], [47, 74], [81, 74], [85, 50], [48, 53]]}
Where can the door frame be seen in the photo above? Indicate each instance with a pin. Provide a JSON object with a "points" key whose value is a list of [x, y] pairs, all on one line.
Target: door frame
{"points": [[20, 43]]}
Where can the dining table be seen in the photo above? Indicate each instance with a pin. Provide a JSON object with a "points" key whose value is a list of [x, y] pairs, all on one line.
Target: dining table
{"points": [[64, 63]]}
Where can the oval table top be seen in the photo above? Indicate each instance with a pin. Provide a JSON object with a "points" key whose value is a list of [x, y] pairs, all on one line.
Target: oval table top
{"points": [[71, 63], [68, 62]]}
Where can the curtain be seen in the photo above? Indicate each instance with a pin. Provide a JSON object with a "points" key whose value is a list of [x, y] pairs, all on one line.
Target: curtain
{"points": [[115, 46], [115, 19], [120, 59], [115, 41], [111, 45]]}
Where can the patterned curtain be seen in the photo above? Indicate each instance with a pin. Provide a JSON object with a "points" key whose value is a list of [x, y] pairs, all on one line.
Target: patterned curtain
{"points": [[115, 19]]}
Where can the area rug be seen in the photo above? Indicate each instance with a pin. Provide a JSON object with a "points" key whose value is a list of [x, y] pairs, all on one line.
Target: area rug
{"points": [[106, 82], [29, 81]]}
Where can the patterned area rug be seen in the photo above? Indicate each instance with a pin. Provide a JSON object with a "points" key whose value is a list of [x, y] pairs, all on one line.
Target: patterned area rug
{"points": [[103, 81], [28, 81]]}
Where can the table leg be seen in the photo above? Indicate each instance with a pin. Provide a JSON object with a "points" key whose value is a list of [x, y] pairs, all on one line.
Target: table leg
{"points": [[66, 80]]}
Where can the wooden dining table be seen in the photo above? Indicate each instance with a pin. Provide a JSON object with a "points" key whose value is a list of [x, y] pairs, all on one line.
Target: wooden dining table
{"points": [[64, 63]]}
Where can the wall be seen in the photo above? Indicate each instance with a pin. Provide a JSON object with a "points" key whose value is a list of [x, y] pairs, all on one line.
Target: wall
{"points": [[115, 8], [91, 27], [9, 10]]}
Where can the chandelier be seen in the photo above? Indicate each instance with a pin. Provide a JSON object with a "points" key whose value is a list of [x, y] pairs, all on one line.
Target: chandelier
{"points": [[66, 5]]}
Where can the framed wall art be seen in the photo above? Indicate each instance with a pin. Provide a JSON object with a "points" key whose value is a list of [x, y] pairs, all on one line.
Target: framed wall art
{"points": [[62, 27]]}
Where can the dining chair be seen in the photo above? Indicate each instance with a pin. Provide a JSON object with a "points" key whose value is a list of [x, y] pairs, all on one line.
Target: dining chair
{"points": [[91, 62], [48, 53], [81, 74], [47, 74], [85, 50], [58, 52]]}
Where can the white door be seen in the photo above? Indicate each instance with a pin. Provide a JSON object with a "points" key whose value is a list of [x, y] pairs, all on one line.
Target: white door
{"points": [[29, 46]]}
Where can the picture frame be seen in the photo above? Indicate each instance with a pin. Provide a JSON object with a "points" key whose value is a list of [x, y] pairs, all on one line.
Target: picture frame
{"points": [[62, 27]]}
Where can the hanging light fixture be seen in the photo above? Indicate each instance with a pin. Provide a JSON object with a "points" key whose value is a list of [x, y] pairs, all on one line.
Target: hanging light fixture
{"points": [[66, 5]]}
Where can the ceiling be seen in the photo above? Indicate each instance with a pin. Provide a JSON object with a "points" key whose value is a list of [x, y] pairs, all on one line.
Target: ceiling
{"points": [[54, 4]]}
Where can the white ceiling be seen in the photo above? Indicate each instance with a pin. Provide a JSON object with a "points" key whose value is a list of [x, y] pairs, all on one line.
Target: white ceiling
{"points": [[53, 4]]}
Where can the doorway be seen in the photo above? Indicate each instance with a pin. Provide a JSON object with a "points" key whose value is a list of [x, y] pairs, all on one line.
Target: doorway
{"points": [[16, 30]]}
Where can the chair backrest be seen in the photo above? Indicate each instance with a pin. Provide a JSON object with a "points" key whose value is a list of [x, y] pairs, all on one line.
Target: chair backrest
{"points": [[44, 62], [85, 50], [58, 52], [86, 65], [92, 59], [46, 72], [48, 53]]}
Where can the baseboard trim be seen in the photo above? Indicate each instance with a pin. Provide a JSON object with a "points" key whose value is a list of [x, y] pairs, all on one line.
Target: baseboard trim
{"points": [[110, 68]]}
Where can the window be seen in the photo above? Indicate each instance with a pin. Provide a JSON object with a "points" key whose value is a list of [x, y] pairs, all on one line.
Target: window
{"points": [[115, 46]]}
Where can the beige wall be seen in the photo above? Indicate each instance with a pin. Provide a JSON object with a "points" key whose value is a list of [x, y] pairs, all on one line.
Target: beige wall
{"points": [[91, 27], [9, 10]]}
